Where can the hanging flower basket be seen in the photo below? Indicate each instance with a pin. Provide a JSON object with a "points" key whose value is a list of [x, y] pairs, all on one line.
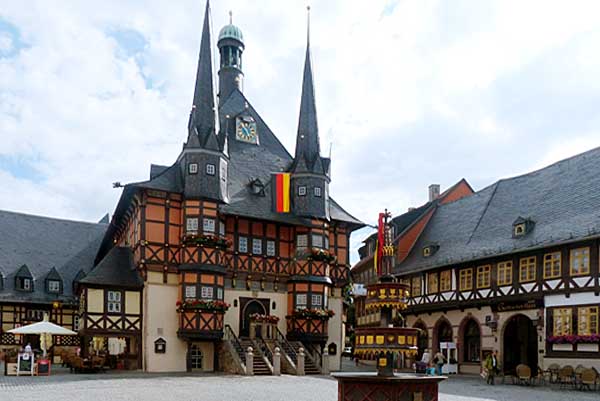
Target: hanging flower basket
{"points": [[206, 240], [323, 314], [574, 339], [202, 305], [257, 317]]}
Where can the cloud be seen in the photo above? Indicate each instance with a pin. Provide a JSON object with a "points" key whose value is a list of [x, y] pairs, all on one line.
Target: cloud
{"points": [[409, 93]]}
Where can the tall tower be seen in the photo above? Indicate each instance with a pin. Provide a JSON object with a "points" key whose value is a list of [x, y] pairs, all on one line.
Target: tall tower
{"points": [[310, 173], [204, 160], [231, 47]]}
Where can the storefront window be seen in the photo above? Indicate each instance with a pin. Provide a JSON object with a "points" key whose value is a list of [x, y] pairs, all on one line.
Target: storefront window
{"points": [[587, 321], [562, 321]]}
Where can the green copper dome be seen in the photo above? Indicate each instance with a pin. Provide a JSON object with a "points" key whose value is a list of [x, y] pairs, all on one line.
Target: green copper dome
{"points": [[231, 32]]}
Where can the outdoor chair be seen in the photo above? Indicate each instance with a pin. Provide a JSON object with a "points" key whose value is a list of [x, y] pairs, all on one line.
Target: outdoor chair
{"points": [[98, 363], [553, 372], [566, 376], [524, 374], [587, 379], [541, 376], [76, 364]]}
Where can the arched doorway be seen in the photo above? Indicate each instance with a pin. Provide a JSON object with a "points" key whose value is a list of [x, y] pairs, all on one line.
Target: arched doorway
{"points": [[471, 341], [441, 334], [249, 307], [520, 344], [422, 339]]}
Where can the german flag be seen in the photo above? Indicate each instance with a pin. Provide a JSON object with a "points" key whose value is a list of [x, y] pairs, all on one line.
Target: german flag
{"points": [[281, 192]]}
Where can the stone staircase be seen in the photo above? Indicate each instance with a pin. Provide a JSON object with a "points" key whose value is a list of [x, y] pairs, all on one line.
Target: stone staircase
{"points": [[260, 365], [310, 368]]}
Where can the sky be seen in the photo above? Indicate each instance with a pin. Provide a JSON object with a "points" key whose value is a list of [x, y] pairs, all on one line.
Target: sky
{"points": [[409, 93]]}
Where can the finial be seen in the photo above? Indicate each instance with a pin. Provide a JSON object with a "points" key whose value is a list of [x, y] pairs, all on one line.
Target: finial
{"points": [[308, 24], [230, 17]]}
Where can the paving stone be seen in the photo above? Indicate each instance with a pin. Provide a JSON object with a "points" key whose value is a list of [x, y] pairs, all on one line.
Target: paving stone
{"points": [[154, 387]]}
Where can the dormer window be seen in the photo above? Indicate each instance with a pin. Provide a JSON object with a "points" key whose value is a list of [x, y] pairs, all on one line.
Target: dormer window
{"points": [[53, 282], [24, 279], [53, 286], [24, 284], [519, 229], [257, 187], [430, 249], [193, 168], [522, 226]]}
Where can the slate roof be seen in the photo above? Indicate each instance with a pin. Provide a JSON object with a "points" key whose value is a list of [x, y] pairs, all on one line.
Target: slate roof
{"points": [[115, 269], [563, 200], [247, 162], [42, 243]]}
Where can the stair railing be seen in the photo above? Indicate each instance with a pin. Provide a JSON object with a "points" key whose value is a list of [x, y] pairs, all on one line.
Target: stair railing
{"points": [[263, 349], [286, 346], [314, 354], [230, 336]]}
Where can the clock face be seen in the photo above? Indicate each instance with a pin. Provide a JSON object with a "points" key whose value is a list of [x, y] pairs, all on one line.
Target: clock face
{"points": [[245, 130]]}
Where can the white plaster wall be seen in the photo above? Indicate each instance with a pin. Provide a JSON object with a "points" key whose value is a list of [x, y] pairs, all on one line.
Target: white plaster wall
{"points": [[335, 330], [160, 312], [580, 298], [232, 316]]}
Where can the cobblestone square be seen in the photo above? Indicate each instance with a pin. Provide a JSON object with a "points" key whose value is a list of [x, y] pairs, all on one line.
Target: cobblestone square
{"points": [[147, 387]]}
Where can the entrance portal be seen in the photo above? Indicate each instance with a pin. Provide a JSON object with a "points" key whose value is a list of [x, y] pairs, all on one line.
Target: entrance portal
{"points": [[520, 344], [248, 307], [443, 334], [422, 340]]}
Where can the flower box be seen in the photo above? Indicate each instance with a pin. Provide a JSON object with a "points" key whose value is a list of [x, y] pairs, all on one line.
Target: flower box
{"points": [[322, 314], [575, 339], [206, 240], [257, 317], [202, 305]]}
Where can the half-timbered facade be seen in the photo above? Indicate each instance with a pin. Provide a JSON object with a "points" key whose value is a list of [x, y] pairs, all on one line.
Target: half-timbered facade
{"points": [[513, 268], [235, 227]]}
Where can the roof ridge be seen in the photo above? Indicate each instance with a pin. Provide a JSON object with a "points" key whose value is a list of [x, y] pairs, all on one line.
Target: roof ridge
{"points": [[556, 163], [51, 218], [487, 205]]}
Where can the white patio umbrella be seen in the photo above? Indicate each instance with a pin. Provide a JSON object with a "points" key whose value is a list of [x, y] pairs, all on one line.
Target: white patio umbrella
{"points": [[43, 328]]}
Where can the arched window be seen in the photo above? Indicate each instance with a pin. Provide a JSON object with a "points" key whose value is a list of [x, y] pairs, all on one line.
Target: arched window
{"points": [[472, 341]]}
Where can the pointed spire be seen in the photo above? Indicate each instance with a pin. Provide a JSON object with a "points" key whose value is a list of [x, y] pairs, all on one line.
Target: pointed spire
{"points": [[307, 140], [202, 117]]}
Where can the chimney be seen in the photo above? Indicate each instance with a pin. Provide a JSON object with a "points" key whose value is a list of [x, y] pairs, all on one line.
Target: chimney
{"points": [[434, 192]]}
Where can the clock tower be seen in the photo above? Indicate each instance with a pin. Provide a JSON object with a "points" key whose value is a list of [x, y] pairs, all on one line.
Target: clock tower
{"points": [[231, 47]]}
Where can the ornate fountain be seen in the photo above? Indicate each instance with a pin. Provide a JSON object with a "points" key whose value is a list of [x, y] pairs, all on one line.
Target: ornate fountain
{"points": [[386, 344]]}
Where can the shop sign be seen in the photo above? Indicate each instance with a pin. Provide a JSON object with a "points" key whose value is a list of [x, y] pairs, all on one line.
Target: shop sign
{"points": [[518, 305]]}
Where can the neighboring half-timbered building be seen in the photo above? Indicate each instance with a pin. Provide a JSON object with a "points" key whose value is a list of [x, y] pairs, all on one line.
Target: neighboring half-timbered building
{"points": [[41, 262], [513, 267]]}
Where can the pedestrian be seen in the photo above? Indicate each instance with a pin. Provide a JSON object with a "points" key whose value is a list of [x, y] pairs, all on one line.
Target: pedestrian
{"points": [[491, 365], [28, 348], [439, 359]]}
